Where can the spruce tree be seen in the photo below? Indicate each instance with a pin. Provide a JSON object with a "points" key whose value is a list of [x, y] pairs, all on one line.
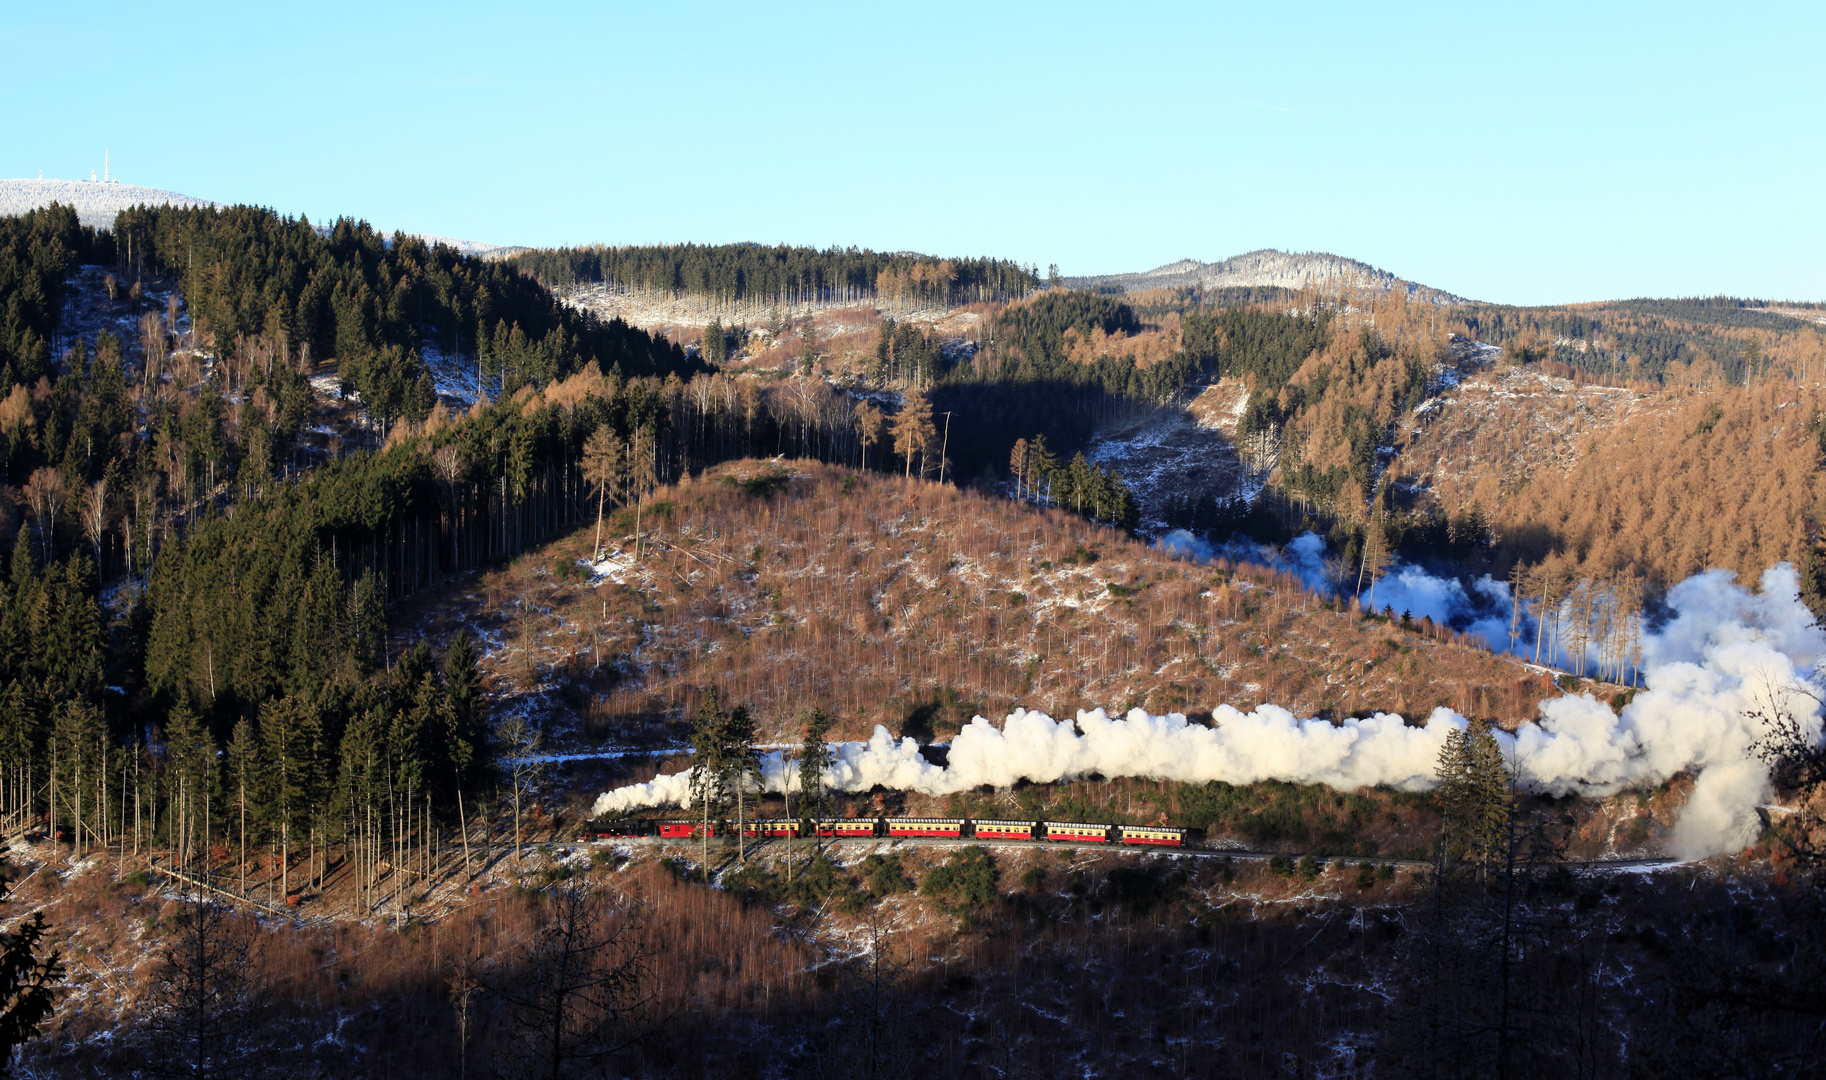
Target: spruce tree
{"points": [[814, 765], [1041, 464], [465, 741], [602, 466], [709, 734], [288, 734], [912, 428], [713, 351], [28, 983], [191, 774], [243, 772], [1475, 796], [741, 765]]}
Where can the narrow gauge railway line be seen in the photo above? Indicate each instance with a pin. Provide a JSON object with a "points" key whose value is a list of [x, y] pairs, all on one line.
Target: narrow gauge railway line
{"points": [[764, 843], [961, 832]]}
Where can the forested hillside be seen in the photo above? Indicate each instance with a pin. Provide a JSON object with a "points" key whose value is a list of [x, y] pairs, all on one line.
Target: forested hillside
{"points": [[373, 302], [247, 580], [1695, 342], [37, 250], [782, 275], [283, 629]]}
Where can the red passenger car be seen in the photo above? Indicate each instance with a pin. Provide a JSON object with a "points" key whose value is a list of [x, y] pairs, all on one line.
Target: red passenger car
{"points": [[1153, 834], [850, 827], [925, 826], [1002, 830], [771, 827]]}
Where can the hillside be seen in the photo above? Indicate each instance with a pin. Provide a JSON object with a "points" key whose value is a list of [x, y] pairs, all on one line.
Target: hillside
{"points": [[1667, 482], [1267, 268], [798, 585], [96, 203]]}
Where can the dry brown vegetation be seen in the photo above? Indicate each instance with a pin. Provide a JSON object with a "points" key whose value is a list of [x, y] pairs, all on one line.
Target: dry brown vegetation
{"points": [[368, 983], [1080, 962], [1608, 478], [881, 601]]}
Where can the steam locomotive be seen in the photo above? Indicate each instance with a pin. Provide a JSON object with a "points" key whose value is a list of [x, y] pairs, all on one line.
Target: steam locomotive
{"points": [[1079, 832]]}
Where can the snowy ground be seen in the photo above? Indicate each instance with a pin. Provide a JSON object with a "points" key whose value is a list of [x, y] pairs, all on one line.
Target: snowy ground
{"points": [[454, 377], [87, 311], [1178, 452]]}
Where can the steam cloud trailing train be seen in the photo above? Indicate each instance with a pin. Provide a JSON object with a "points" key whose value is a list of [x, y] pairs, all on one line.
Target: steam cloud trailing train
{"points": [[1081, 832]]}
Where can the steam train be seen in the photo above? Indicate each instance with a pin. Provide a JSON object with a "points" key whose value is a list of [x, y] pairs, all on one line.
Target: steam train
{"points": [[1079, 832]]}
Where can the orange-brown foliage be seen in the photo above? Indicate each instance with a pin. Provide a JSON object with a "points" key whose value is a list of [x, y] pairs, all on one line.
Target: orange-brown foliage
{"points": [[877, 599]]}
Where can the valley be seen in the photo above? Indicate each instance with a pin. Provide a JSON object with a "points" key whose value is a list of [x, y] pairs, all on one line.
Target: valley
{"points": [[344, 615]]}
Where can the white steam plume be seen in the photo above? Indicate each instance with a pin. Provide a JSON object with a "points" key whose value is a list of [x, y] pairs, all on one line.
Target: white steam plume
{"points": [[1724, 651]]}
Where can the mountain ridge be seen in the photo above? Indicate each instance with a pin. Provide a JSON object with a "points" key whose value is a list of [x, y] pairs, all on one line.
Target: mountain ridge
{"points": [[98, 201], [1264, 268]]}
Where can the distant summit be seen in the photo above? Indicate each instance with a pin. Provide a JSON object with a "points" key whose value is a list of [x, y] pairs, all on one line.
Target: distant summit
{"points": [[96, 201], [1267, 268]]}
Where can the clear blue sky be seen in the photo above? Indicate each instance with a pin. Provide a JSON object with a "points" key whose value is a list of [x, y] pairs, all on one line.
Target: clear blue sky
{"points": [[1537, 154]]}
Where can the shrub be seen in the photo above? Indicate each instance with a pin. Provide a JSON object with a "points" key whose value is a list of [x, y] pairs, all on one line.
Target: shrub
{"points": [[965, 882], [1281, 865], [886, 875], [819, 879], [1141, 888], [1309, 867]]}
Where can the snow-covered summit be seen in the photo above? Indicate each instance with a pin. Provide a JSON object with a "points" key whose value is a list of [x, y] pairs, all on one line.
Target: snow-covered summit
{"points": [[96, 201], [1260, 269]]}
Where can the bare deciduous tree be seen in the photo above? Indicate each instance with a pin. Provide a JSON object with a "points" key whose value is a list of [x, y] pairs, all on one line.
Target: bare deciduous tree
{"points": [[520, 742], [868, 426], [913, 429], [45, 494], [578, 995], [602, 458], [95, 516]]}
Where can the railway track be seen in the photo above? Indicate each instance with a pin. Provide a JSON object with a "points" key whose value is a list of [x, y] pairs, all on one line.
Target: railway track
{"points": [[1201, 852]]}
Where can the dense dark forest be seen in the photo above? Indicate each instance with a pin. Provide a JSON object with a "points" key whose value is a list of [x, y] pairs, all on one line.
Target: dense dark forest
{"points": [[375, 303], [37, 250], [782, 274], [249, 578], [1061, 365]]}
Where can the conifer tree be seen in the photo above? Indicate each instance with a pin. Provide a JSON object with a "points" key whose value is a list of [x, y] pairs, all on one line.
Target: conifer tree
{"points": [[28, 984], [1017, 466], [79, 736], [709, 772], [814, 765], [243, 771], [463, 685], [1475, 796], [1376, 558], [288, 734], [714, 351], [1041, 464], [191, 770]]}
